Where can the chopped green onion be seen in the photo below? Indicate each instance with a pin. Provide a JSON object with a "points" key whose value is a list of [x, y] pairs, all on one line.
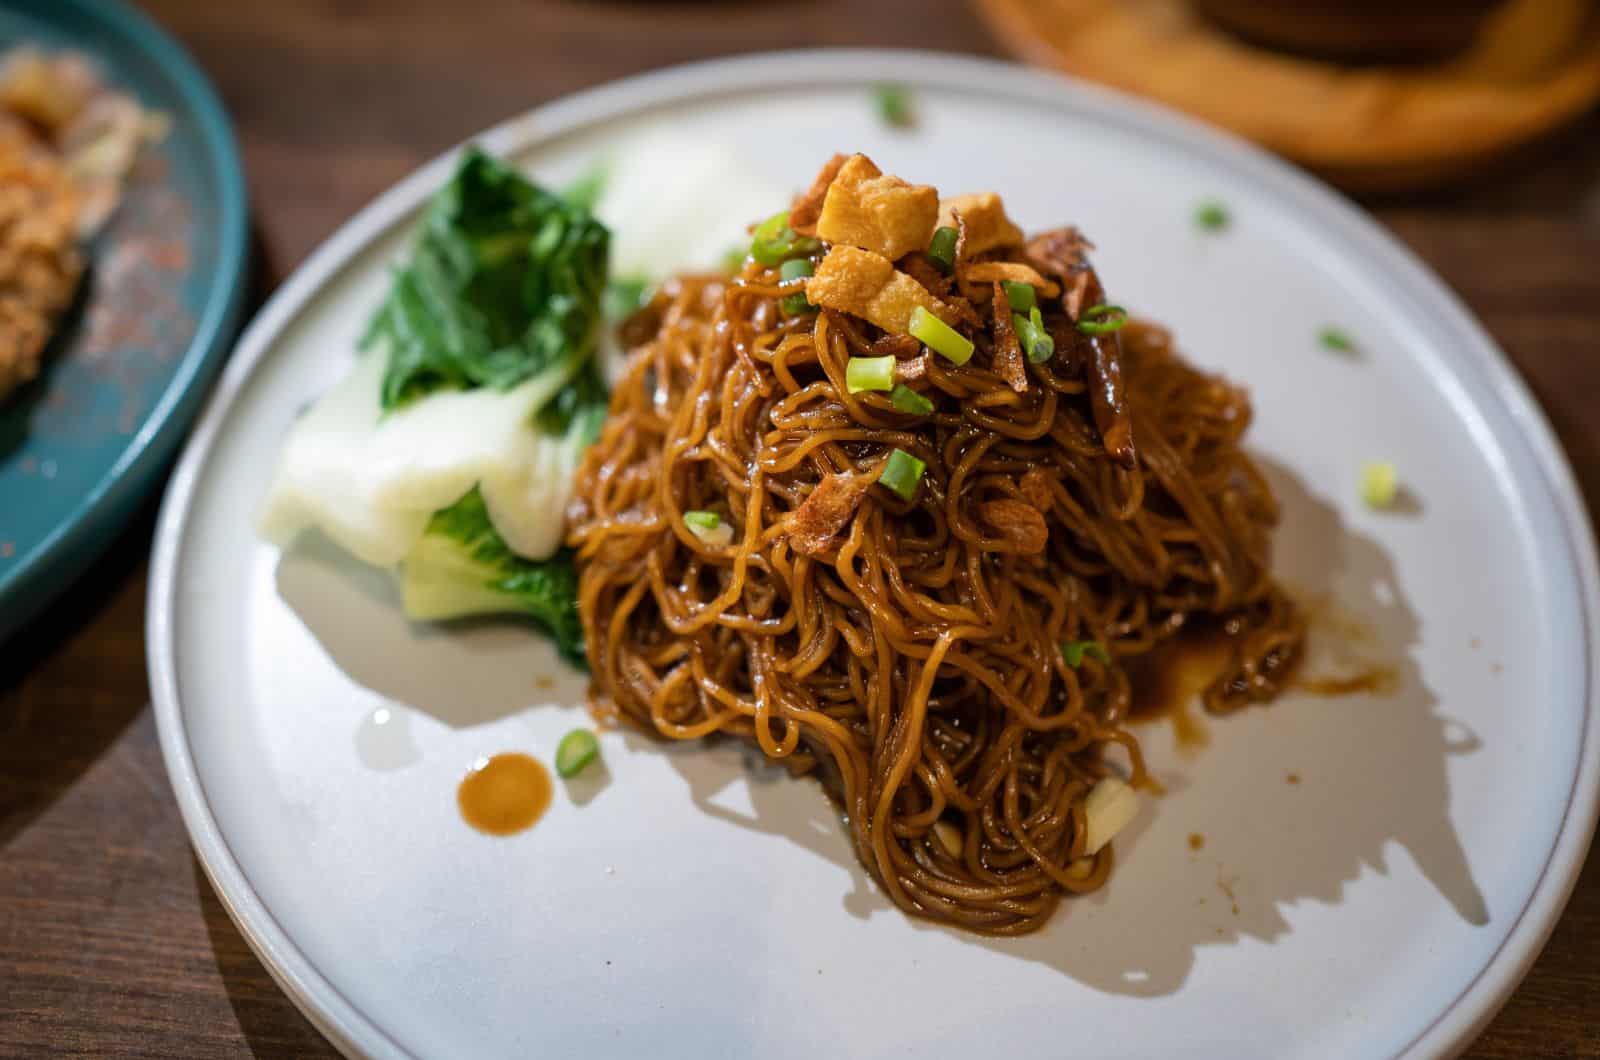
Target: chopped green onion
{"points": [[902, 474], [869, 373], [708, 527], [940, 337], [1211, 216], [733, 259], [1036, 341], [1074, 651], [904, 399], [1336, 340], [894, 106], [795, 269], [575, 751], [775, 242], [1380, 484], [1022, 296], [1102, 319], [942, 248], [625, 296]]}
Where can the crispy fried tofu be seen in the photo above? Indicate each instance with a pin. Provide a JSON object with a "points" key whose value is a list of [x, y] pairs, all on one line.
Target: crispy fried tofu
{"points": [[988, 226], [864, 208], [868, 285]]}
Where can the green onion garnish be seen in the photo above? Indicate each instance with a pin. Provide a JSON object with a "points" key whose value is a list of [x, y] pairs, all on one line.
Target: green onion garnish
{"points": [[869, 373], [940, 337], [733, 259], [1036, 341], [1022, 296], [1074, 651], [795, 269], [1211, 216], [942, 248], [575, 751], [902, 474], [702, 520], [1336, 340], [1380, 484], [906, 400], [625, 296], [709, 527], [894, 106], [775, 242], [1102, 319]]}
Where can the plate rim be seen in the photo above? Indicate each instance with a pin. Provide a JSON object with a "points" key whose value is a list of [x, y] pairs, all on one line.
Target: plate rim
{"points": [[352, 1031], [56, 560]]}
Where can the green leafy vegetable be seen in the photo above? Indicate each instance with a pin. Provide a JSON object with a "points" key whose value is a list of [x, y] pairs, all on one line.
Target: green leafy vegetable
{"points": [[460, 566], [625, 296], [503, 283], [579, 408], [584, 193]]}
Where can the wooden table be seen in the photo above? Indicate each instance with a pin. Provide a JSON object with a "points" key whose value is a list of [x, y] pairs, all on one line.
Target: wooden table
{"points": [[111, 941]]}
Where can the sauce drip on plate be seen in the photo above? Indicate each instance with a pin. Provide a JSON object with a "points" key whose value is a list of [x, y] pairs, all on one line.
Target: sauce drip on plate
{"points": [[1169, 681], [505, 794]]}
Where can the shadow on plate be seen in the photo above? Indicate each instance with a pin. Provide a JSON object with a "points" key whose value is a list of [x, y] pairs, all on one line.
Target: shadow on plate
{"points": [[1293, 801], [353, 610], [1317, 801]]}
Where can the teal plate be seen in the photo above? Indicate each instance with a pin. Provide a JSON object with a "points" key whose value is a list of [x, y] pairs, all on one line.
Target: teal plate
{"points": [[82, 445]]}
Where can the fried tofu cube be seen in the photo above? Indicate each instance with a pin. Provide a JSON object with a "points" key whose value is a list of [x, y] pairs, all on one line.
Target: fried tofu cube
{"points": [[868, 285], [866, 209], [984, 215]]}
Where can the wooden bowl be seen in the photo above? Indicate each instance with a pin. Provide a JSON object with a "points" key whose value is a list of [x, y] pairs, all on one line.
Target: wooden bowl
{"points": [[1532, 66], [1388, 30]]}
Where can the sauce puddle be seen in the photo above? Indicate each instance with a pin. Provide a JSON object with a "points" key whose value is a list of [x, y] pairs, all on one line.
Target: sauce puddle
{"points": [[505, 794], [1168, 681]]}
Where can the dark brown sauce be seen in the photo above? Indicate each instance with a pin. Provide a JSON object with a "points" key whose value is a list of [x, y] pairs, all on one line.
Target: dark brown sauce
{"points": [[1168, 681], [1355, 642], [1196, 841], [505, 794]]}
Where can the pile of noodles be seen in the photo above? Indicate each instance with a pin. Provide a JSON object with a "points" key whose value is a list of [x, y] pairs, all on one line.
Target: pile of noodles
{"points": [[913, 660]]}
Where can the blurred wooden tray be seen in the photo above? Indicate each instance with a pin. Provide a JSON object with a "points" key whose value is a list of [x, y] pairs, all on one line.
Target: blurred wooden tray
{"points": [[1535, 67]]}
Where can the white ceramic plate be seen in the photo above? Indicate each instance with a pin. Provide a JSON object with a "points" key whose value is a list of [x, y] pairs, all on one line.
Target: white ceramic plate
{"points": [[693, 903]]}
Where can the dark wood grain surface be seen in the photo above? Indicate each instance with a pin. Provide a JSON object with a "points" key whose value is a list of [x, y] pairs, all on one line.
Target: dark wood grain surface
{"points": [[111, 941]]}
